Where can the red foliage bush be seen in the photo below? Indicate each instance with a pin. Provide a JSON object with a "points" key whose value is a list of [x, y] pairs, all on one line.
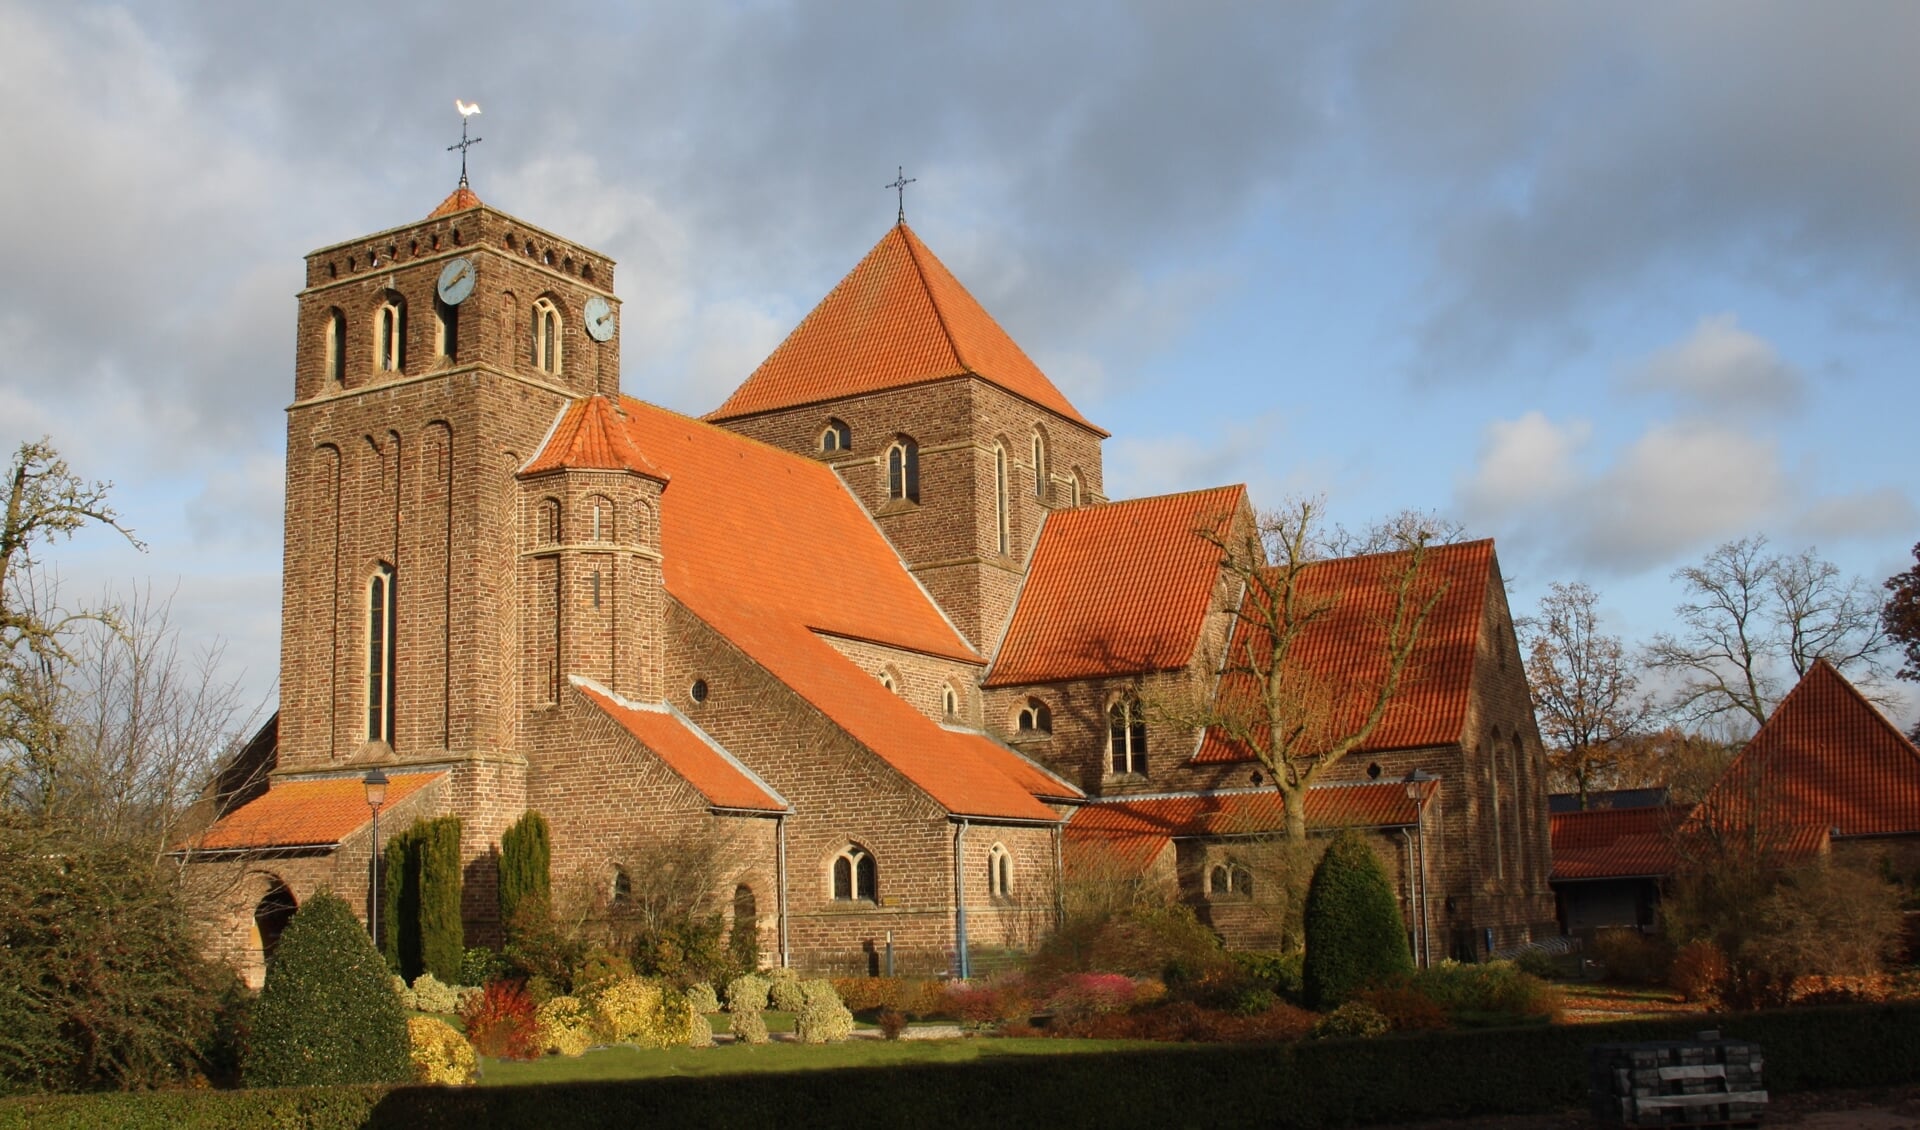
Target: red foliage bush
{"points": [[1090, 994], [1699, 971], [500, 1022], [1407, 1009]]}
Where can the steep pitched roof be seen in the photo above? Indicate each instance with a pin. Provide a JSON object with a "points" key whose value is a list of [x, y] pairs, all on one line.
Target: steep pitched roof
{"points": [[899, 318], [591, 438], [771, 551], [1826, 757], [696, 758], [1128, 834], [1346, 647], [459, 200], [310, 813], [1117, 589]]}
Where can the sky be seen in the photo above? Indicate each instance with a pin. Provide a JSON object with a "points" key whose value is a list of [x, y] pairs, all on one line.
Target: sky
{"points": [[1611, 284]]}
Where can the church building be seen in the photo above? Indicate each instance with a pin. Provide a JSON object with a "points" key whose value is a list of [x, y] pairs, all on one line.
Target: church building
{"points": [[872, 625]]}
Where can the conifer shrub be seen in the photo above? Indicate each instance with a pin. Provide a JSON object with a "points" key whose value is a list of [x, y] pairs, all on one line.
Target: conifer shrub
{"points": [[501, 1023], [747, 993], [1355, 937], [439, 1054], [702, 999], [524, 861], [328, 1013], [643, 1011], [442, 936], [749, 1027], [566, 1026], [821, 1018]]}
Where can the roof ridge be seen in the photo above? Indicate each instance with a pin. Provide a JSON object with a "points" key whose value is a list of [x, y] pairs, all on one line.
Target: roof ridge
{"points": [[1858, 696]]}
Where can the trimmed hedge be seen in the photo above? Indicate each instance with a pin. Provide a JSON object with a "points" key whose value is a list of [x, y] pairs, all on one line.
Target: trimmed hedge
{"points": [[328, 1013], [1325, 1083], [1352, 921]]}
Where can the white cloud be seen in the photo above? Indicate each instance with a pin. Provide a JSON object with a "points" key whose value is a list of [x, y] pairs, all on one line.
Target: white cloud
{"points": [[1722, 368], [1523, 462]]}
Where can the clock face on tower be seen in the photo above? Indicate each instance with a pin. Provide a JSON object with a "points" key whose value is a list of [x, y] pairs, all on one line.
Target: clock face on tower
{"points": [[600, 319], [456, 282]]}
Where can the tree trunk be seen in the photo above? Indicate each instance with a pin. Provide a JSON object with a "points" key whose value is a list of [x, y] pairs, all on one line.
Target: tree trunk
{"points": [[1295, 798]]}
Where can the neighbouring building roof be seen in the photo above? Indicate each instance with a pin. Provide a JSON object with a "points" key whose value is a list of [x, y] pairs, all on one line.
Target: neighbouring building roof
{"points": [[591, 438], [690, 753], [1112, 837], [1616, 843], [459, 200], [1346, 651], [770, 550], [304, 813], [1118, 589], [1826, 757], [899, 318]]}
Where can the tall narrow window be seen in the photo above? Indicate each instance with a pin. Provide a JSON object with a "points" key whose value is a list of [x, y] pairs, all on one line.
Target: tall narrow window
{"points": [[336, 347], [949, 702], [1499, 844], [1000, 495], [549, 521], [903, 470], [447, 319], [390, 335], [1073, 489], [1039, 466], [1127, 737], [546, 337], [380, 665]]}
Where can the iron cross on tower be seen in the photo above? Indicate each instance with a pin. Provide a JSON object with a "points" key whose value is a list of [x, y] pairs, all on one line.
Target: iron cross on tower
{"points": [[900, 182], [467, 110]]}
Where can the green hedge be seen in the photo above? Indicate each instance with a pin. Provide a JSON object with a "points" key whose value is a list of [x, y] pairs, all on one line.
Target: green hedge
{"points": [[1334, 1083]]}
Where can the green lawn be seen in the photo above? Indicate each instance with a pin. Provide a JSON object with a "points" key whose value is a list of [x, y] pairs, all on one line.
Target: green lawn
{"points": [[626, 1062]]}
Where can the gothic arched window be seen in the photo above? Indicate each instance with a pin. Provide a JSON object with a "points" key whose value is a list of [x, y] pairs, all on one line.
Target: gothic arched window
{"points": [[390, 335], [546, 336], [1035, 718], [1000, 524], [336, 346], [999, 872], [836, 437], [1127, 736], [903, 470], [1039, 465], [855, 877], [949, 702], [380, 664]]}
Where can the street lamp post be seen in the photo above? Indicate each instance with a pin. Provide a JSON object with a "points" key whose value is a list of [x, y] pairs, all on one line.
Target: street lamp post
{"points": [[1417, 782], [376, 785]]}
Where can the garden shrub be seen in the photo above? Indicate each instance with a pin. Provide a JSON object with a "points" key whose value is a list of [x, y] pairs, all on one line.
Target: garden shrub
{"points": [[328, 1013], [400, 990], [480, 965], [439, 1054], [465, 995], [524, 861], [1699, 971], [1355, 937], [1406, 1008], [684, 949], [783, 990], [1354, 1018], [540, 946], [599, 966], [974, 1004], [702, 999], [566, 1026], [750, 1027], [643, 1011], [1493, 992], [1630, 957], [916, 996], [700, 1031], [1538, 962], [1089, 994], [747, 993], [1278, 972], [429, 995], [821, 1018], [1164, 941], [500, 1022], [891, 1022]]}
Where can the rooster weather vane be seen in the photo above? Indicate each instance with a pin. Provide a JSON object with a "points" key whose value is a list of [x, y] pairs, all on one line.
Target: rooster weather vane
{"points": [[467, 110]]}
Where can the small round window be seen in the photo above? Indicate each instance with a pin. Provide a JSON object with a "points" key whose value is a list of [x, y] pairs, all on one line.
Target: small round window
{"points": [[699, 690]]}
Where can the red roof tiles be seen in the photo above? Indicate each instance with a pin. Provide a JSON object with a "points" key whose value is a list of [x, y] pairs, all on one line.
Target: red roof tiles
{"points": [[590, 437], [1132, 833], [1616, 843], [459, 200], [715, 775], [899, 318], [1828, 758], [309, 813], [1117, 589], [1345, 649]]}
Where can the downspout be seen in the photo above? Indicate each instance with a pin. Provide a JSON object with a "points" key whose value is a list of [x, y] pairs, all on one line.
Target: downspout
{"points": [[963, 967], [780, 885], [1420, 844], [1059, 882], [1413, 898]]}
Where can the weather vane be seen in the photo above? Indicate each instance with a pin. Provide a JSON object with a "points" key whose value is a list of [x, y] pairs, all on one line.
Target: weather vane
{"points": [[467, 110], [900, 182]]}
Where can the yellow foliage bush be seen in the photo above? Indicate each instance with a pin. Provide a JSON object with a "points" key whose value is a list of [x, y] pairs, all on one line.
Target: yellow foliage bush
{"points": [[643, 1011], [566, 1026], [439, 1053]]}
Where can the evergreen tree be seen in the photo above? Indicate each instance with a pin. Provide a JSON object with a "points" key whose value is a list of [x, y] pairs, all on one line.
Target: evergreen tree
{"points": [[399, 930], [328, 1014], [442, 936], [525, 852], [1355, 936]]}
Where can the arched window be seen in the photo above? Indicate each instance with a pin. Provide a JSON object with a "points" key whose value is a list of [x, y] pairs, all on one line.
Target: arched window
{"points": [[1127, 736], [855, 878], [1230, 880], [336, 346], [836, 437], [271, 915], [546, 336], [380, 664], [999, 872], [1000, 496], [1073, 489], [390, 335], [744, 942], [446, 330], [903, 470], [622, 895], [1035, 718], [1039, 465], [1493, 781], [889, 680], [949, 702]]}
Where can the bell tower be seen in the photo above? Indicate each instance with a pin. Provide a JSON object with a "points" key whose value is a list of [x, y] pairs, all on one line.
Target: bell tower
{"points": [[432, 359]]}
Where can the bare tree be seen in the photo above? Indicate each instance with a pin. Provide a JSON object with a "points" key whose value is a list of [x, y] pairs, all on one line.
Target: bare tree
{"points": [[1274, 700], [1585, 694], [1752, 619]]}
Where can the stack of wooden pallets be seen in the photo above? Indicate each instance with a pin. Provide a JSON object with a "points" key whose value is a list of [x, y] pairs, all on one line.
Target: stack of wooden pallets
{"points": [[1706, 1081]]}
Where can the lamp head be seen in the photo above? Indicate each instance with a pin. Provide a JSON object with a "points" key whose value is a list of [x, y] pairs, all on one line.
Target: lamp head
{"points": [[376, 785]]}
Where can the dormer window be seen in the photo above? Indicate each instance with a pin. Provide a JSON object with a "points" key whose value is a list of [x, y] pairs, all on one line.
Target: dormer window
{"points": [[390, 335], [546, 337], [837, 437], [903, 470], [1035, 718]]}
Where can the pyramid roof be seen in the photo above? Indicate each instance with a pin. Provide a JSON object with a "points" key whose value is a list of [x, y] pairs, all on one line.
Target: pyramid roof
{"points": [[899, 318]]}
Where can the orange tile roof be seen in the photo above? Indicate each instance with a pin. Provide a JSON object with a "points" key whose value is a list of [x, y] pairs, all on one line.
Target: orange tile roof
{"points": [[1117, 589], [899, 318], [1345, 649], [307, 813], [699, 761], [1031, 776], [1616, 843], [771, 551], [590, 438], [1826, 757], [1132, 832], [459, 200]]}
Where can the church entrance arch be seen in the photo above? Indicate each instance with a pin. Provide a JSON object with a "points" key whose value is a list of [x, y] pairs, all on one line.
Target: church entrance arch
{"points": [[271, 915], [745, 942]]}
